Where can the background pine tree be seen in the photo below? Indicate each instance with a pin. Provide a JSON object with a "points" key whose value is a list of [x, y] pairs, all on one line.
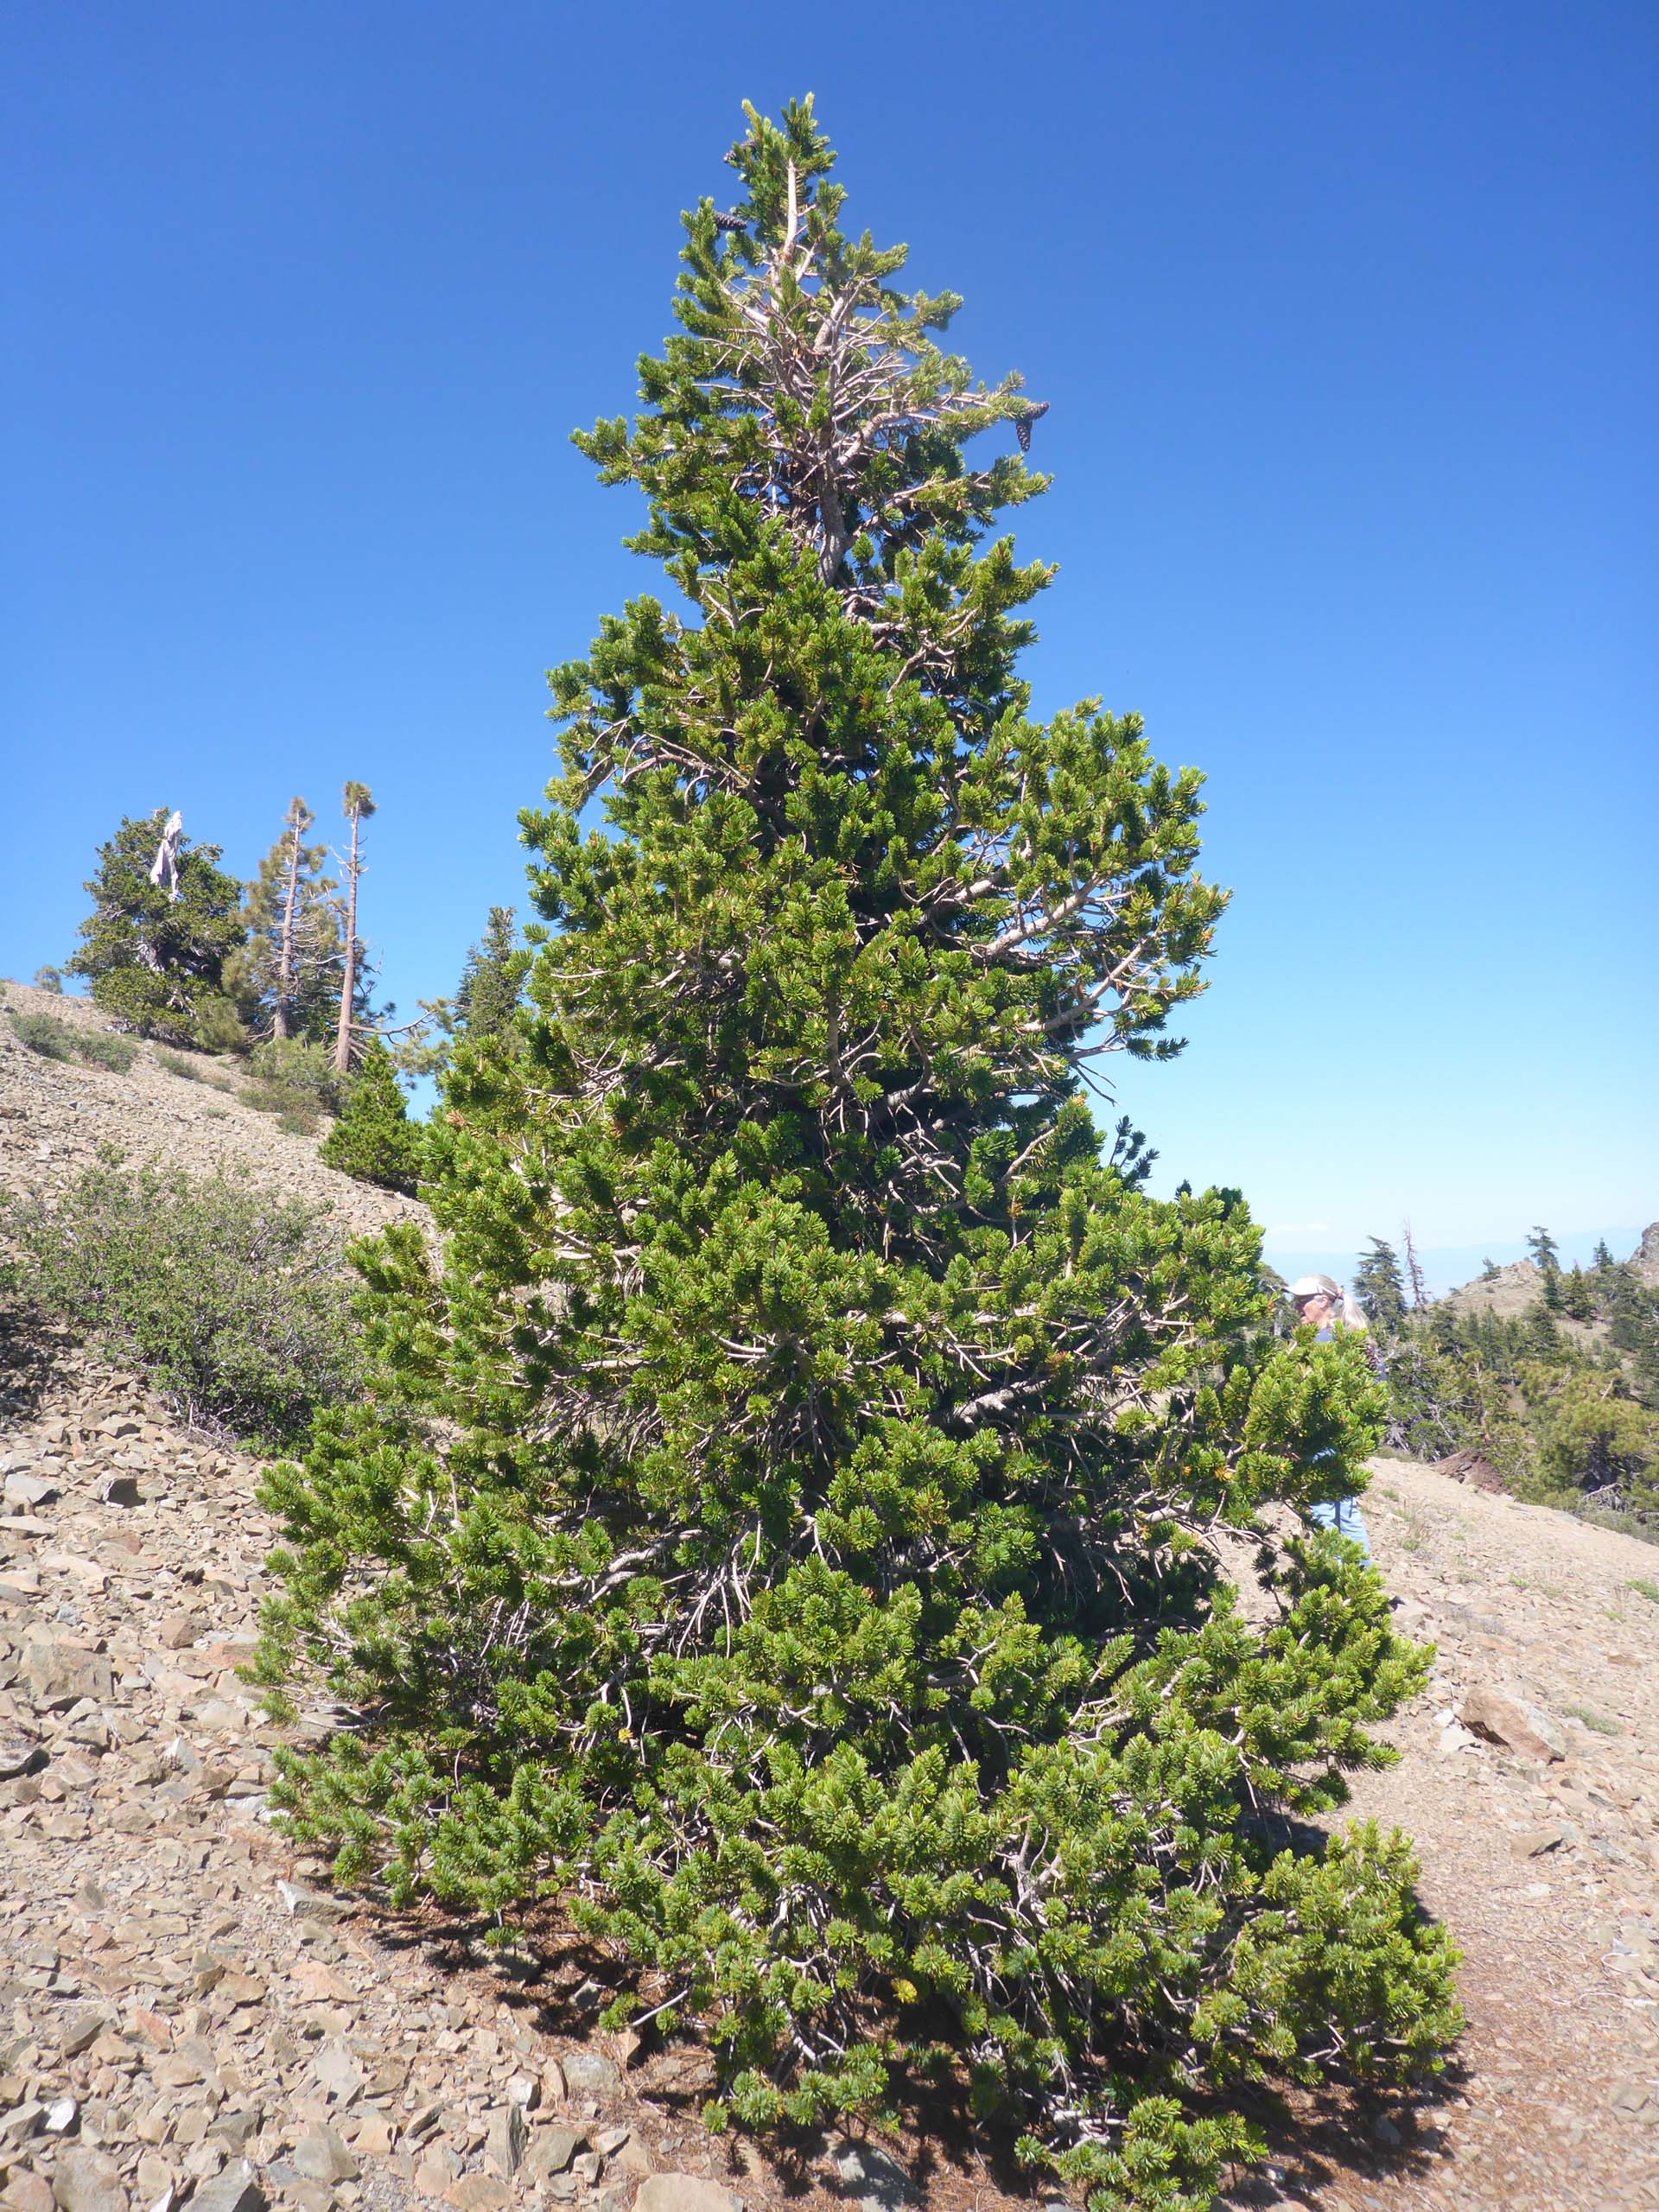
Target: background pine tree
{"points": [[287, 977], [1382, 1288], [493, 981], [155, 963], [781, 1524], [374, 1139]]}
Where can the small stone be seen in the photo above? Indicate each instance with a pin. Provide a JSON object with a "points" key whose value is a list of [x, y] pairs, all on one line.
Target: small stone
{"points": [[372, 2139], [524, 2091], [478, 2193], [674, 2192], [60, 2117], [119, 1490], [81, 2027], [441, 2166], [88, 2180], [154, 2178], [610, 2140], [504, 2144], [27, 2192], [321, 2155], [588, 2167], [867, 2171], [30, 1491], [236, 2189], [551, 2149], [1533, 1843], [591, 2074], [338, 2073], [1513, 1721]]}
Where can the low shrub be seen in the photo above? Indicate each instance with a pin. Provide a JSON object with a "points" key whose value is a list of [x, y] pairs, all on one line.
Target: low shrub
{"points": [[235, 1304], [56, 1041], [295, 1080], [297, 1111], [103, 1051], [186, 1069], [43, 1033], [294, 1064], [50, 980]]}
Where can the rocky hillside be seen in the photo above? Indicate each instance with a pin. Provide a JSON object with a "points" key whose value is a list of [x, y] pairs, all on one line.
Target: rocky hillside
{"points": [[188, 2015], [56, 1116]]}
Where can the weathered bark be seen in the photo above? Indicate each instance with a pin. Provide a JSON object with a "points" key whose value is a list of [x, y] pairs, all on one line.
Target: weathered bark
{"points": [[348, 987]]}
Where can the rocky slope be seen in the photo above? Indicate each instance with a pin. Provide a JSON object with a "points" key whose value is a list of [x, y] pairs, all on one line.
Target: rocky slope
{"points": [[185, 2010]]}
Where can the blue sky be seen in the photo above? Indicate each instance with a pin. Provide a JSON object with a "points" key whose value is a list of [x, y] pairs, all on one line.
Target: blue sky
{"points": [[1347, 315]]}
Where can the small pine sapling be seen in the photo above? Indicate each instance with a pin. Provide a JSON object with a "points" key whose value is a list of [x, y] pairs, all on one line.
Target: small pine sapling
{"points": [[374, 1139]]}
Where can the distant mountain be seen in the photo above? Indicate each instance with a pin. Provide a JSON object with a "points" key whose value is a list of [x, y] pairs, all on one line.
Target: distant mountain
{"points": [[1519, 1285]]}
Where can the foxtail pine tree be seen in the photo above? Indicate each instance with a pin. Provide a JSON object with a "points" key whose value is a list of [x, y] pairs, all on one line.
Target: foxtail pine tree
{"points": [[796, 1527]]}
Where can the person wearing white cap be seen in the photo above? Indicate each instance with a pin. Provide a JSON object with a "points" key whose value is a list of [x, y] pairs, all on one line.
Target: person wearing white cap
{"points": [[1320, 1302]]}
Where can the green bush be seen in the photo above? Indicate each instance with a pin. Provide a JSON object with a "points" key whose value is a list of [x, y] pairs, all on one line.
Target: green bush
{"points": [[189, 1068], [298, 1064], [105, 1051], [57, 1040], [374, 1139], [237, 1306], [295, 1081], [43, 1033], [50, 980]]}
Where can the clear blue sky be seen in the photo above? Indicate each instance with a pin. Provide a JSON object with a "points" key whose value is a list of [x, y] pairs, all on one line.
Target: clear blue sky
{"points": [[1347, 317]]}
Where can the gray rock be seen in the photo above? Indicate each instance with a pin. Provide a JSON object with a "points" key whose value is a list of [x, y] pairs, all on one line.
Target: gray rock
{"points": [[60, 2117], [79, 2027], [236, 2189], [503, 2144], [478, 2193], [322, 2155], [591, 2074], [31, 1491], [22, 2122], [338, 2073], [18, 1755], [684, 2193], [88, 2180], [551, 2149], [54, 1674], [871, 2174]]}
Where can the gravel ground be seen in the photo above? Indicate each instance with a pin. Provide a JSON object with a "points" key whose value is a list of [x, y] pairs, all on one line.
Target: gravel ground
{"points": [[183, 2009]]}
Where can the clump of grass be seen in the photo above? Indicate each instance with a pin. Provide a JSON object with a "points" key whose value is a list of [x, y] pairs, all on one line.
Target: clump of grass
{"points": [[1646, 1589], [295, 1080], [186, 1069], [1598, 1721], [52, 1039], [103, 1051], [56, 1041], [295, 1111]]}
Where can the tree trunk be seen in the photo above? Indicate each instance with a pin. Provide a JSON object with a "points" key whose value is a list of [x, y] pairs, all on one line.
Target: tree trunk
{"points": [[280, 1017], [348, 988]]}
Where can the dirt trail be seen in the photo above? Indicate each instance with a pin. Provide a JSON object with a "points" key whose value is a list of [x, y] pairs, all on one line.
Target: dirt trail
{"points": [[182, 2009]]}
